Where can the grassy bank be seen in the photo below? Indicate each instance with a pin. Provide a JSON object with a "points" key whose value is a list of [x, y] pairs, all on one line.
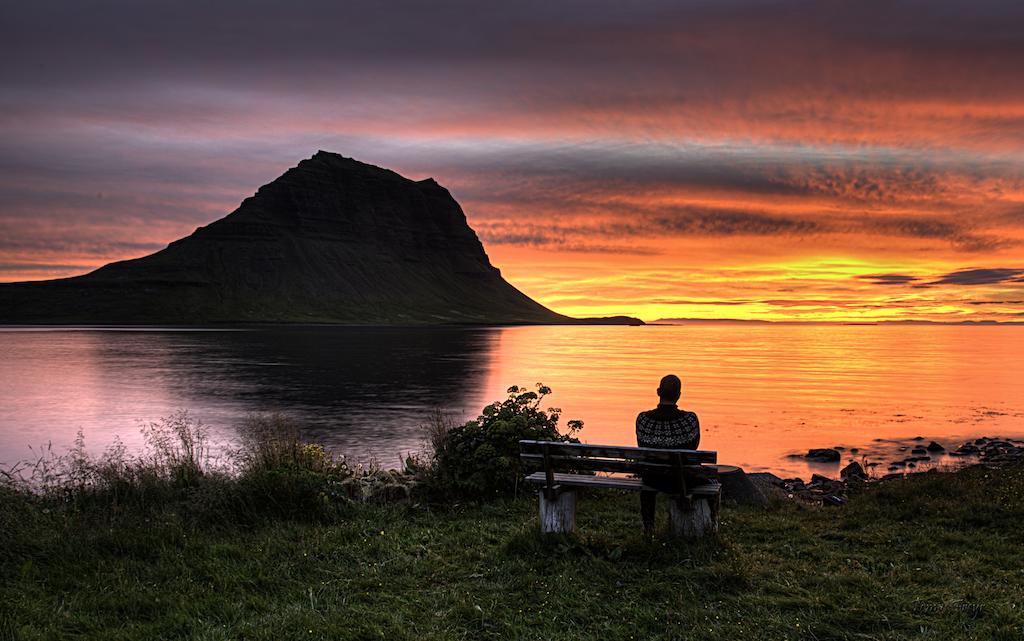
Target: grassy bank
{"points": [[937, 556]]}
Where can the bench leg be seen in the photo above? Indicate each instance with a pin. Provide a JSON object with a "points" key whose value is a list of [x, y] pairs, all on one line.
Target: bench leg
{"points": [[692, 521], [558, 515], [716, 509]]}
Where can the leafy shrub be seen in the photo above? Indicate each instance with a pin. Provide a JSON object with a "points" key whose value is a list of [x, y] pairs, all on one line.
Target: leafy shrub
{"points": [[480, 459]]}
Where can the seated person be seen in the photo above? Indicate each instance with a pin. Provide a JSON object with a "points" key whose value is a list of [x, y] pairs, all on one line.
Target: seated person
{"points": [[666, 427]]}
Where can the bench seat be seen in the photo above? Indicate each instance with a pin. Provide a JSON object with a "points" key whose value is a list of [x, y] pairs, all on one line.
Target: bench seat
{"points": [[709, 489]]}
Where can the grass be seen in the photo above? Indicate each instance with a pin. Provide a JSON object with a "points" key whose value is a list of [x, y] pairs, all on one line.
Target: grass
{"points": [[938, 556]]}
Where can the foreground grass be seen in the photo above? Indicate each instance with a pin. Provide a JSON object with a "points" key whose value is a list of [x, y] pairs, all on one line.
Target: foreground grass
{"points": [[934, 557]]}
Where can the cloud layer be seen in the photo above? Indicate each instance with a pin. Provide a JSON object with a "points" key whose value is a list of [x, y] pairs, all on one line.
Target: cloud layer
{"points": [[785, 159]]}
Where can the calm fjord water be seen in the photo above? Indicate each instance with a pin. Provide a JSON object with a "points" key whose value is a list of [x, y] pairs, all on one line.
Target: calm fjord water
{"points": [[762, 392]]}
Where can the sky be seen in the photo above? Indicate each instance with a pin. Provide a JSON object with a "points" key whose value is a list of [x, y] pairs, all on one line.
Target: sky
{"points": [[826, 160]]}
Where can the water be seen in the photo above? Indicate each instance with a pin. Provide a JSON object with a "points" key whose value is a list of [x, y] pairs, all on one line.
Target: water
{"points": [[762, 392]]}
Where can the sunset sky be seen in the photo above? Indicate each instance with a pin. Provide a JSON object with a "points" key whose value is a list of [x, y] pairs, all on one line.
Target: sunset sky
{"points": [[849, 161]]}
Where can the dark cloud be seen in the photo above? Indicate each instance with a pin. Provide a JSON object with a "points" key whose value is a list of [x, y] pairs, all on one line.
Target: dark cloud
{"points": [[986, 276], [660, 222], [556, 240], [723, 222], [77, 245], [88, 42], [40, 267], [978, 243], [917, 227], [649, 221], [887, 279]]}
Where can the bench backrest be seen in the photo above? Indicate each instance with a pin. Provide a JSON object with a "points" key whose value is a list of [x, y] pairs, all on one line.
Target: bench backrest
{"points": [[554, 456]]}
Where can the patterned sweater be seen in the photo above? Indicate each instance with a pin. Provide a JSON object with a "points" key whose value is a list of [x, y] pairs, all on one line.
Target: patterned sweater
{"points": [[668, 427]]}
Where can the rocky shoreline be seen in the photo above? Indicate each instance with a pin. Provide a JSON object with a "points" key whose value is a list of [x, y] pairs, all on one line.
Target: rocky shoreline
{"points": [[915, 458]]}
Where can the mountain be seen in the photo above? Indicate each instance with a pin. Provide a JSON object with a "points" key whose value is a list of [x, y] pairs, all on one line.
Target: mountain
{"points": [[333, 240]]}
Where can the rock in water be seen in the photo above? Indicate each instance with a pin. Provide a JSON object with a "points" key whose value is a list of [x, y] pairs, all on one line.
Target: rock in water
{"points": [[332, 240], [823, 455]]}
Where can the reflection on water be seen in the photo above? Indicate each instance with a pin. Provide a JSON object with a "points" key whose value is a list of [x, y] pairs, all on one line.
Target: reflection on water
{"points": [[762, 392], [360, 390]]}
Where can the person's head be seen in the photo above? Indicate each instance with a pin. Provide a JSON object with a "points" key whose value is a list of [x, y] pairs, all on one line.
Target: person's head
{"points": [[670, 389]]}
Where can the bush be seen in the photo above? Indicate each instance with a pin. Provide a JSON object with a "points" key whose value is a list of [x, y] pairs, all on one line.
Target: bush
{"points": [[280, 474], [277, 473], [480, 459], [273, 441]]}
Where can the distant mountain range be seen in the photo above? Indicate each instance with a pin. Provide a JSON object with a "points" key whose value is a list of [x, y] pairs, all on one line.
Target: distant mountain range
{"points": [[707, 321], [333, 240]]}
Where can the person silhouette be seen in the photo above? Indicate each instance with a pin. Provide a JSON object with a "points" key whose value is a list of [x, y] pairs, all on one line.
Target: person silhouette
{"points": [[664, 427]]}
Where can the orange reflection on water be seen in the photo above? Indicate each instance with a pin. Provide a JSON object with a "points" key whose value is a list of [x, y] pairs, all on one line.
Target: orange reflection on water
{"points": [[765, 392], [762, 392]]}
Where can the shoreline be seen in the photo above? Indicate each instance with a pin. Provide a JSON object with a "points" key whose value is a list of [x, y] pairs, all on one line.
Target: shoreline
{"points": [[896, 457]]}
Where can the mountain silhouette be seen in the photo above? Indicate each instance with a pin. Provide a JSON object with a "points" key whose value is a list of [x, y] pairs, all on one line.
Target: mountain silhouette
{"points": [[333, 240]]}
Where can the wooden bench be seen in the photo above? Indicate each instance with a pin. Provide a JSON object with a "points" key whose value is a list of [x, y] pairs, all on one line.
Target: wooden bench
{"points": [[693, 506]]}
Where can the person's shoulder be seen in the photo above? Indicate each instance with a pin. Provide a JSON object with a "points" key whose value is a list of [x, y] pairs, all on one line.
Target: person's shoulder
{"points": [[646, 415]]}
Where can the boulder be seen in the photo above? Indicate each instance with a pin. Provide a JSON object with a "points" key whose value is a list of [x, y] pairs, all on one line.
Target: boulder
{"points": [[768, 483], [823, 455], [737, 487], [853, 471], [793, 485], [935, 447]]}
